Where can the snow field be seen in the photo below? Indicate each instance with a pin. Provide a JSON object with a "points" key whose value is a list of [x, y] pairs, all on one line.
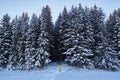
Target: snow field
{"points": [[67, 73]]}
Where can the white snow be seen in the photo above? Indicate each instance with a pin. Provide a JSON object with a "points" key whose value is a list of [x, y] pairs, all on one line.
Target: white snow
{"points": [[67, 73]]}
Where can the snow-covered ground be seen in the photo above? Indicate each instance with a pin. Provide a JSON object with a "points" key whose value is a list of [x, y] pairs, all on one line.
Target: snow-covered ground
{"points": [[67, 73]]}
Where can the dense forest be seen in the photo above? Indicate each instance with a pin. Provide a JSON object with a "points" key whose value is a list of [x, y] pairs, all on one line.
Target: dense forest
{"points": [[81, 37]]}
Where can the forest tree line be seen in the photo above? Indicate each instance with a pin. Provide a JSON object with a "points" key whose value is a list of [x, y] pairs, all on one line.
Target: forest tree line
{"points": [[81, 37]]}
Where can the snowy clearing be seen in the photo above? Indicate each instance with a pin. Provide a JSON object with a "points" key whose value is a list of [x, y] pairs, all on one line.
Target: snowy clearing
{"points": [[67, 73]]}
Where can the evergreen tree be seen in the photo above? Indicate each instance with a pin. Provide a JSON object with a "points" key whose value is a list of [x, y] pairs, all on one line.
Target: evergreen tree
{"points": [[14, 56], [113, 31], [78, 56], [6, 42], [56, 54], [43, 53], [89, 31], [97, 22], [116, 34], [74, 34], [111, 21], [78, 53], [22, 29], [108, 60], [81, 26], [1, 38], [32, 42], [62, 33]]}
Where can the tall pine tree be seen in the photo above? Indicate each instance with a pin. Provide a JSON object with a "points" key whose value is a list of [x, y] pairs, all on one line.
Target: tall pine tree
{"points": [[6, 42], [43, 53]]}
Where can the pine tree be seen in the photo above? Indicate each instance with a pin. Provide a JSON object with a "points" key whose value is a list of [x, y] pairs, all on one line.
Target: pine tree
{"points": [[46, 24], [22, 29], [74, 34], [89, 31], [113, 32], [109, 59], [32, 42], [62, 33], [1, 38], [79, 52], [42, 55], [81, 26], [55, 56], [14, 57], [111, 21], [66, 32], [116, 34], [6, 46], [78, 56], [97, 22]]}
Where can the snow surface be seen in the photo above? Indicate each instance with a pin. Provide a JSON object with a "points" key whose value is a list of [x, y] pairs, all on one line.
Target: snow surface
{"points": [[67, 73]]}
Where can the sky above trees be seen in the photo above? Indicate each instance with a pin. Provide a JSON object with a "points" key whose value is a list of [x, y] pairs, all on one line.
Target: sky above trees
{"points": [[16, 7]]}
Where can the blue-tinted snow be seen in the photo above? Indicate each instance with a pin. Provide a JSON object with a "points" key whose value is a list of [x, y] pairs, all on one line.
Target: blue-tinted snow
{"points": [[67, 73]]}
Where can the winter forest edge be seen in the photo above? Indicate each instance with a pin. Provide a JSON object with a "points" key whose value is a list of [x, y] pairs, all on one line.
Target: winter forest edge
{"points": [[80, 37]]}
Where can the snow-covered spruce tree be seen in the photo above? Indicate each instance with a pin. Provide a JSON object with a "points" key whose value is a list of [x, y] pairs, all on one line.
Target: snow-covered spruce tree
{"points": [[110, 22], [42, 55], [109, 59], [15, 36], [57, 41], [113, 33], [62, 33], [78, 53], [88, 29], [97, 22], [116, 36], [6, 42], [81, 26], [22, 29], [78, 56], [68, 30], [1, 38], [116, 33], [104, 55], [32, 42], [73, 28], [110, 29]]}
